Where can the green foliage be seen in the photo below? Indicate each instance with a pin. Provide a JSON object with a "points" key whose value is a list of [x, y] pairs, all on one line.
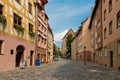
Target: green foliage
{"points": [[19, 29], [56, 50], [32, 34], [3, 21], [68, 44]]}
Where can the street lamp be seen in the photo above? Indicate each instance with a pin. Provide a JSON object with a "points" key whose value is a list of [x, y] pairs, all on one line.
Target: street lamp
{"points": [[84, 55]]}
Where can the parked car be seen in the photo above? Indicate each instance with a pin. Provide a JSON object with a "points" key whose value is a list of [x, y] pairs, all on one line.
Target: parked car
{"points": [[56, 58]]}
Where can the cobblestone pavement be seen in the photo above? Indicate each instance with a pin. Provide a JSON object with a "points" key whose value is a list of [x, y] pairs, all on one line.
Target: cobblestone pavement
{"points": [[62, 70]]}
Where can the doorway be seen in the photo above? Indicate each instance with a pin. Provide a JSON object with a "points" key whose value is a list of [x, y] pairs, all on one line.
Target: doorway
{"points": [[111, 59], [93, 57], [31, 58], [19, 55]]}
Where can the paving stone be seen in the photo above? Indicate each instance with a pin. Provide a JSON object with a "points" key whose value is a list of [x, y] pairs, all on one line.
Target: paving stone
{"points": [[62, 70]]}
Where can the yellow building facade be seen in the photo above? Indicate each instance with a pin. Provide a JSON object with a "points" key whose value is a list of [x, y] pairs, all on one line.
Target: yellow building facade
{"points": [[17, 33]]}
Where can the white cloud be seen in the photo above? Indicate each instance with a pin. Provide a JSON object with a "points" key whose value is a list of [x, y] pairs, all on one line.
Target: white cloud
{"points": [[58, 36], [68, 11]]}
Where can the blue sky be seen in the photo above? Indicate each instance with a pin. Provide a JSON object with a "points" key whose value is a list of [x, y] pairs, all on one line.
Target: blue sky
{"points": [[67, 14]]}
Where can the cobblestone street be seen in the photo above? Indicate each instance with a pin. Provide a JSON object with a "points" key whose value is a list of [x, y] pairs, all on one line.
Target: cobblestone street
{"points": [[62, 70]]}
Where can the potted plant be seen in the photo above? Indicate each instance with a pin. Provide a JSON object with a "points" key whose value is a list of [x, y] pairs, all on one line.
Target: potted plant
{"points": [[32, 34], [19, 29], [3, 21]]}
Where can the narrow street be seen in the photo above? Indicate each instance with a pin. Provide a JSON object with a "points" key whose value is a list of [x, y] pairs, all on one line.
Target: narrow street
{"points": [[62, 70]]}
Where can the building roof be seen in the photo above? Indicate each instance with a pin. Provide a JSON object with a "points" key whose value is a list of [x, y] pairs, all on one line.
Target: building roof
{"points": [[67, 33], [40, 3]]}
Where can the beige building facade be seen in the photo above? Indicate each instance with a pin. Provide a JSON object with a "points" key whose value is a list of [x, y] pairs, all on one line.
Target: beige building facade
{"points": [[80, 46], [50, 41], [96, 33], [64, 49], [73, 48], [111, 31], [106, 52]]}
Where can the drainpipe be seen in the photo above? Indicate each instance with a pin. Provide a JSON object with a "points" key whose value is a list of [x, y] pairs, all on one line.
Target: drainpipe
{"points": [[36, 25]]}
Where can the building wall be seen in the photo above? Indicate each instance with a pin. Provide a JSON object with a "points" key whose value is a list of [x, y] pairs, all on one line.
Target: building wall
{"points": [[64, 49], [50, 45], [110, 42], [42, 27], [105, 52], [11, 39], [84, 41], [81, 43], [96, 32], [73, 49]]}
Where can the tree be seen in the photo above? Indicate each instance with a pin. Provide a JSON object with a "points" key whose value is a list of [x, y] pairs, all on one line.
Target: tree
{"points": [[68, 44], [55, 52]]}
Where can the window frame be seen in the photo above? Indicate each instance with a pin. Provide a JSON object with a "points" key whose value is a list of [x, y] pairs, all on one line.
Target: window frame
{"points": [[30, 8], [1, 43], [17, 20], [118, 19], [30, 27], [110, 28], [105, 14], [105, 51], [110, 5], [105, 33]]}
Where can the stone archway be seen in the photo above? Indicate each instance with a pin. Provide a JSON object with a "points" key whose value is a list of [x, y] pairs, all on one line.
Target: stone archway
{"points": [[19, 54]]}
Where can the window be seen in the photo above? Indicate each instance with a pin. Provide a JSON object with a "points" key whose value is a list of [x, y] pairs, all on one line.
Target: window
{"points": [[110, 27], [30, 27], [98, 23], [105, 33], [17, 20], [110, 5], [30, 8], [98, 10], [45, 30], [118, 47], [99, 38], [100, 52], [1, 9], [118, 19], [18, 1], [11, 51], [1, 46], [105, 51], [105, 15]]}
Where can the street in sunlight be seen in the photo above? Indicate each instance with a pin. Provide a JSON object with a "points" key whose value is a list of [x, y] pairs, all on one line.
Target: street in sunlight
{"points": [[63, 69]]}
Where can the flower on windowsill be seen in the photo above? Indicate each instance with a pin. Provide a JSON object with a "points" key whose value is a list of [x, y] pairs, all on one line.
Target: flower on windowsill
{"points": [[3, 21], [19, 28], [32, 34]]}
